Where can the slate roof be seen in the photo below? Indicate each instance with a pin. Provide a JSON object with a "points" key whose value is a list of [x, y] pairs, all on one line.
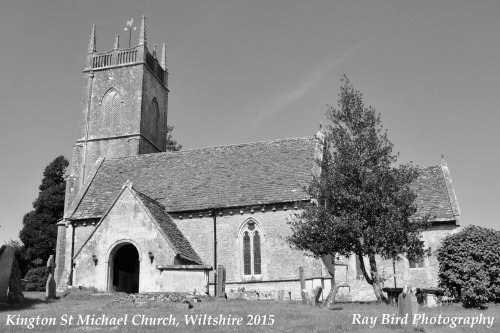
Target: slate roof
{"points": [[238, 175], [227, 176], [180, 244]]}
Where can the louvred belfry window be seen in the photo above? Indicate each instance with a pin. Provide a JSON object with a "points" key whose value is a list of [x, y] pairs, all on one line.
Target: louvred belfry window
{"points": [[106, 120], [252, 259]]}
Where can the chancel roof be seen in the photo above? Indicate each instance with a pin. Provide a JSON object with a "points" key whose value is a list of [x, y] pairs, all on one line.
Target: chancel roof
{"points": [[240, 175]]}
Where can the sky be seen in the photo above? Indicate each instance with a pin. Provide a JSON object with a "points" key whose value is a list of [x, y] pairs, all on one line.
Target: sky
{"points": [[246, 71]]}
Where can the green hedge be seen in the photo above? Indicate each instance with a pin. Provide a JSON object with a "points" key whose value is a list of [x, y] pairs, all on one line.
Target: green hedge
{"points": [[469, 266]]}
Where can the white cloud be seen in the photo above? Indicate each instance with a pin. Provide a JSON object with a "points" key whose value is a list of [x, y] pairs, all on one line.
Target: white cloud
{"points": [[288, 97]]}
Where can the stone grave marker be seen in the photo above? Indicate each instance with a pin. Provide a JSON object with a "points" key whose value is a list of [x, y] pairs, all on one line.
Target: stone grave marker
{"points": [[407, 304], [402, 303], [221, 281], [303, 291], [431, 301], [11, 290], [316, 295], [50, 286], [6, 262], [281, 293]]}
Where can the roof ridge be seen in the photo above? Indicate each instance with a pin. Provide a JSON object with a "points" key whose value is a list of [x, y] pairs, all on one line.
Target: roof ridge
{"points": [[213, 147], [148, 197]]}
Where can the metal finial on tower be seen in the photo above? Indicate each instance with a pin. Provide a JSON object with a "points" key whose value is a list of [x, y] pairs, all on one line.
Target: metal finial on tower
{"points": [[92, 42], [129, 28], [117, 42], [164, 56], [142, 32]]}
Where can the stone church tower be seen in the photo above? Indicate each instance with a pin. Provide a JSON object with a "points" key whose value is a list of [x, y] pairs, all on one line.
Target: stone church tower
{"points": [[124, 113]]}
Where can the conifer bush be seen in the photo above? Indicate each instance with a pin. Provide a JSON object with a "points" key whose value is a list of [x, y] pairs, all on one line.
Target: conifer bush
{"points": [[469, 266]]}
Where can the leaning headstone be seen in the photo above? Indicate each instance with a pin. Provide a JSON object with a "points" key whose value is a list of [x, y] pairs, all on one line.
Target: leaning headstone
{"points": [[6, 261], [221, 281], [10, 277], [50, 286]]}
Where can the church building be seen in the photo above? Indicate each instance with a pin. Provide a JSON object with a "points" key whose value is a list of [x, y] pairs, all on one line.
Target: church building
{"points": [[141, 219]]}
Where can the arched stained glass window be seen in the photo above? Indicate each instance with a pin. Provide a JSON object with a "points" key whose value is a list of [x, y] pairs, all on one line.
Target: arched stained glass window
{"points": [[251, 247]]}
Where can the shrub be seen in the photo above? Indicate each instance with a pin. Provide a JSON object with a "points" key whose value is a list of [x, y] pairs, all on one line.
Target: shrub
{"points": [[37, 278], [469, 266]]}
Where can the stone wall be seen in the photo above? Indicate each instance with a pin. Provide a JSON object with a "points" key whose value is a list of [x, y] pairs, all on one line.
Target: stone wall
{"points": [[279, 261]]}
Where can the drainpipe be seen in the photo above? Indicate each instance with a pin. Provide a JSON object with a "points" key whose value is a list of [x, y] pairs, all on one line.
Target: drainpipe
{"points": [[214, 216], [70, 280], [89, 103]]}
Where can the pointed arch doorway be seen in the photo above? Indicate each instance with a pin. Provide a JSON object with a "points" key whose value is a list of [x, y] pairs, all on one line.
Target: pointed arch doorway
{"points": [[124, 268]]}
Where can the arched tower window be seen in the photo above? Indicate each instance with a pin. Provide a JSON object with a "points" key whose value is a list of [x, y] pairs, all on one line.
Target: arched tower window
{"points": [[250, 236], [106, 121], [154, 114]]}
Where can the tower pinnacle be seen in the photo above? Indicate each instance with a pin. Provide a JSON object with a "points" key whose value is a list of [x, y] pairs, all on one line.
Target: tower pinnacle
{"points": [[142, 32], [164, 56], [92, 42]]}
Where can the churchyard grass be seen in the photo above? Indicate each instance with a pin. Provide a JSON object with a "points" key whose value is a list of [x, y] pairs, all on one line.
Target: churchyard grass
{"points": [[288, 316]]}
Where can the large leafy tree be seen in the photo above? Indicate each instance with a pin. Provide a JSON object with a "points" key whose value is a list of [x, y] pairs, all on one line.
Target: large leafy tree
{"points": [[39, 232], [364, 205]]}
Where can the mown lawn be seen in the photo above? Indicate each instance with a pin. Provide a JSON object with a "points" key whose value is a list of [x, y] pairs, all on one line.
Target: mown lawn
{"points": [[273, 316]]}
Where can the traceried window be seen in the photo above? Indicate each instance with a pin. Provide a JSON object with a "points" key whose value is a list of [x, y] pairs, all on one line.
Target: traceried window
{"points": [[251, 246]]}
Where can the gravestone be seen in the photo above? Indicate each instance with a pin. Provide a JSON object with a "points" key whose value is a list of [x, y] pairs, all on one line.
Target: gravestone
{"points": [[50, 286], [221, 281], [10, 277], [316, 295], [303, 291], [403, 303], [407, 304], [281, 293], [431, 301], [6, 261], [414, 302]]}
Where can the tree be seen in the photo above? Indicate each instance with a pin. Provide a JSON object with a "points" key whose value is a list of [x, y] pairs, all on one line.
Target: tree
{"points": [[469, 265], [364, 202], [39, 232], [172, 145]]}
